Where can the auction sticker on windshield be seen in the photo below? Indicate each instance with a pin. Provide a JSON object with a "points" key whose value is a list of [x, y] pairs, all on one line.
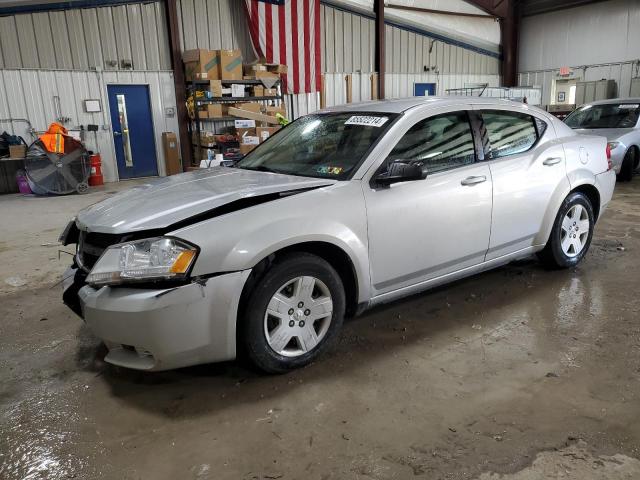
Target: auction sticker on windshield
{"points": [[628, 106], [366, 120]]}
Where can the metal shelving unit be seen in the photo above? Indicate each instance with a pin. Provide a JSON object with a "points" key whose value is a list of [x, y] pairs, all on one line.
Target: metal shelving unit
{"points": [[193, 87]]}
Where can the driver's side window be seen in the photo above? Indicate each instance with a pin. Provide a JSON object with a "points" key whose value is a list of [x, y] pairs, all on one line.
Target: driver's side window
{"points": [[441, 142]]}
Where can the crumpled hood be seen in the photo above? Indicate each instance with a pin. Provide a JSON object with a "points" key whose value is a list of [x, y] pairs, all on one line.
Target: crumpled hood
{"points": [[169, 200], [611, 134]]}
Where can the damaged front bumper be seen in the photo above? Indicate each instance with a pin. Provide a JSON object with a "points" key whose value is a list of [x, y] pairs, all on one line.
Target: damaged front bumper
{"points": [[163, 328]]}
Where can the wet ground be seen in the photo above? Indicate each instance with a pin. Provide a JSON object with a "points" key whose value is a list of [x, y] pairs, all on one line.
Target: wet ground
{"points": [[515, 374]]}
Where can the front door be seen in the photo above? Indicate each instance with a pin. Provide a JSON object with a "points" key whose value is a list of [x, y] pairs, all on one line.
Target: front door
{"points": [[423, 229], [132, 130]]}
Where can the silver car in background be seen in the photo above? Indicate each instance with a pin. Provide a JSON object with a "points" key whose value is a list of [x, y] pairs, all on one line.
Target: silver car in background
{"points": [[341, 210], [618, 120]]}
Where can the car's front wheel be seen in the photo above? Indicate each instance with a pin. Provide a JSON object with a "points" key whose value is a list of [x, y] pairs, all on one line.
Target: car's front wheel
{"points": [[571, 234], [293, 313]]}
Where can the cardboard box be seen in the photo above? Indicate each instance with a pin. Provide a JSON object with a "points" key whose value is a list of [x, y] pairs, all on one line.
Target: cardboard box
{"points": [[240, 113], [253, 68], [277, 68], [171, 153], [250, 106], [17, 151], [214, 110], [257, 91], [245, 132], [201, 64], [244, 123], [272, 110], [265, 132], [270, 92], [265, 74], [230, 65], [246, 148], [250, 140], [215, 87]]}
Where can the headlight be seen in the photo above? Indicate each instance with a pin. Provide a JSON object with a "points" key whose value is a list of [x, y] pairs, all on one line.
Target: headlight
{"points": [[160, 258], [612, 145]]}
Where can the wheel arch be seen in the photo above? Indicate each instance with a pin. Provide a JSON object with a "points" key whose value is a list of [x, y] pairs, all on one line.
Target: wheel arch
{"points": [[337, 257], [591, 192]]}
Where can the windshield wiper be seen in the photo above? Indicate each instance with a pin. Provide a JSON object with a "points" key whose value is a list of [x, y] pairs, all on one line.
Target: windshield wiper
{"points": [[261, 168]]}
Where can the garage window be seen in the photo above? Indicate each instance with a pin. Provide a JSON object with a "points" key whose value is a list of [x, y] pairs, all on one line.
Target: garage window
{"points": [[441, 142], [509, 133]]}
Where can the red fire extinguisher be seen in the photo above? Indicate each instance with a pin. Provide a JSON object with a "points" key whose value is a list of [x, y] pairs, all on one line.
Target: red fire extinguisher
{"points": [[96, 170]]}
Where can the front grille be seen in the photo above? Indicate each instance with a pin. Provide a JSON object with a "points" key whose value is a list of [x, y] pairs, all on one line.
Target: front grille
{"points": [[91, 246]]}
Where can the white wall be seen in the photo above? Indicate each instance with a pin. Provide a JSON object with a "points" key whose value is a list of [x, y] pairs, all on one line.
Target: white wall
{"points": [[29, 94], [596, 41]]}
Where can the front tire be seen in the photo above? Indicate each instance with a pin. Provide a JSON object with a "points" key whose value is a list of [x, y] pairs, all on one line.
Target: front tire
{"points": [[628, 166], [293, 314], [571, 233]]}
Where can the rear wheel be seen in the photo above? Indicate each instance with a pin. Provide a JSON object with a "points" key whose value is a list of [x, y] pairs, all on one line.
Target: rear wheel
{"points": [[571, 234], [293, 314], [628, 166]]}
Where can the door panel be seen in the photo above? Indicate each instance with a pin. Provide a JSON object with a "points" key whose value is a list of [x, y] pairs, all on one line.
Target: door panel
{"points": [[523, 186], [422, 229], [427, 228], [132, 126]]}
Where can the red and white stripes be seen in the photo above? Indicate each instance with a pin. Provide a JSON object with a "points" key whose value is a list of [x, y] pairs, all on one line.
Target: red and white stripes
{"points": [[288, 32]]}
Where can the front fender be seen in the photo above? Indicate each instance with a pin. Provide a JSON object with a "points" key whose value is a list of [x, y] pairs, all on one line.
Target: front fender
{"points": [[239, 240]]}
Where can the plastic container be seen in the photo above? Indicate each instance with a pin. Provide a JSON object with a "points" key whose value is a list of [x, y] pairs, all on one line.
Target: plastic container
{"points": [[23, 183]]}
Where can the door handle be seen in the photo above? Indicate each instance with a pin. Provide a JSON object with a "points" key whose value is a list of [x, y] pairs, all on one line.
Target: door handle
{"points": [[469, 181], [116, 134], [552, 161]]}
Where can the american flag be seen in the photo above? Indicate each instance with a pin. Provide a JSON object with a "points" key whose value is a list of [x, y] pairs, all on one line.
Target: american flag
{"points": [[288, 32]]}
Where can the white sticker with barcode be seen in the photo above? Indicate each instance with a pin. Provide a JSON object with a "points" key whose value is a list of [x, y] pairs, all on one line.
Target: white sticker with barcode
{"points": [[366, 120], [628, 106]]}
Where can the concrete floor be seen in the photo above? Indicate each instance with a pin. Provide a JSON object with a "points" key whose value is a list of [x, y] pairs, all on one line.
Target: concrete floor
{"points": [[515, 374]]}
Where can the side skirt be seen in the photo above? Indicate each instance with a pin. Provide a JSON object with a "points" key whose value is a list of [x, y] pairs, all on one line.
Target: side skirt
{"points": [[450, 277]]}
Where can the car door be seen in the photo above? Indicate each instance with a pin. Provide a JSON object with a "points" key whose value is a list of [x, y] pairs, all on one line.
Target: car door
{"points": [[423, 229], [528, 169]]}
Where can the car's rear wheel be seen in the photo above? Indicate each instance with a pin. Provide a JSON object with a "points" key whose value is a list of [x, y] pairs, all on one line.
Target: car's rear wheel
{"points": [[571, 234], [293, 314], [628, 166]]}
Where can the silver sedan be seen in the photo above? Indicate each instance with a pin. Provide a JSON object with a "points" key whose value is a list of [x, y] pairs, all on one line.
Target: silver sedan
{"points": [[619, 121], [341, 210]]}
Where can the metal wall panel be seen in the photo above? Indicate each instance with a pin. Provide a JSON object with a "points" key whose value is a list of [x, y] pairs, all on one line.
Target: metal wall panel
{"points": [[9, 43], [27, 41], [82, 39], [30, 94]]}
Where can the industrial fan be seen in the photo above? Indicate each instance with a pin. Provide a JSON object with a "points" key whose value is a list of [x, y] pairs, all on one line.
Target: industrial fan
{"points": [[57, 173]]}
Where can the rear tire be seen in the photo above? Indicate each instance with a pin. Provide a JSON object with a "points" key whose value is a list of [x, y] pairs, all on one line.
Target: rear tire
{"points": [[628, 166], [571, 233], [293, 314]]}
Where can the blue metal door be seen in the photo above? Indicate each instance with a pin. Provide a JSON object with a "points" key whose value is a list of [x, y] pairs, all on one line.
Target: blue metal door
{"points": [[132, 130], [422, 89]]}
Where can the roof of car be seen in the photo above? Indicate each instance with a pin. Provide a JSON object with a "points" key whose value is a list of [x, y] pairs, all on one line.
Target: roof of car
{"points": [[399, 105], [618, 101]]}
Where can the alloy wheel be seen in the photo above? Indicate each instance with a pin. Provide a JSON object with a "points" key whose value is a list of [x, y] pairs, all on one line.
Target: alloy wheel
{"points": [[575, 231], [298, 316]]}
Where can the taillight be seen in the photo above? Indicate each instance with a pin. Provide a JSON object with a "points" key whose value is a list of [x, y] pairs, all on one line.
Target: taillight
{"points": [[609, 162]]}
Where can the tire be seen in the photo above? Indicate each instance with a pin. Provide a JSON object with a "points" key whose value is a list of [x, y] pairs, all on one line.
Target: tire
{"points": [[277, 340], [555, 253], [628, 166]]}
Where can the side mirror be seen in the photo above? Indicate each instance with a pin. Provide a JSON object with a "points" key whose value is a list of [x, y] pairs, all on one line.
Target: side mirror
{"points": [[401, 170]]}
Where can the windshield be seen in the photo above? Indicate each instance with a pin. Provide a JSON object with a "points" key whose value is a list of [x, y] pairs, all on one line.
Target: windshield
{"points": [[322, 145], [618, 115]]}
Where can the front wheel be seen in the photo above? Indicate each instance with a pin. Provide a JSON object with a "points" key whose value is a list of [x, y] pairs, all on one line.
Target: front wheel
{"points": [[293, 314], [571, 233]]}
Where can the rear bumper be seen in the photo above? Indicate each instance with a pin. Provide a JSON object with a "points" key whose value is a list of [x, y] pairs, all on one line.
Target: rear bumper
{"points": [[605, 183], [161, 329]]}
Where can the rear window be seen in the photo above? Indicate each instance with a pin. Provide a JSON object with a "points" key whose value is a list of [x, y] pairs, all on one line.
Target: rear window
{"points": [[623, 115]]}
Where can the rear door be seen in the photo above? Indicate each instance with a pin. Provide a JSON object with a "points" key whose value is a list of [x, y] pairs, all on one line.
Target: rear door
{"points": [[528, 170], [423, 229]]}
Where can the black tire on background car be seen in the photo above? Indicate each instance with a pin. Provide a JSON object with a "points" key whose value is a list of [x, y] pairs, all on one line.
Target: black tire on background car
{"points": [[293, 313], [628, 166], [571, 233]]}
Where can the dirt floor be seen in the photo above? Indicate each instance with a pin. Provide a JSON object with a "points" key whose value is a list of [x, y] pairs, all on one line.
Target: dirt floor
{"points": [[515, 374]]}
